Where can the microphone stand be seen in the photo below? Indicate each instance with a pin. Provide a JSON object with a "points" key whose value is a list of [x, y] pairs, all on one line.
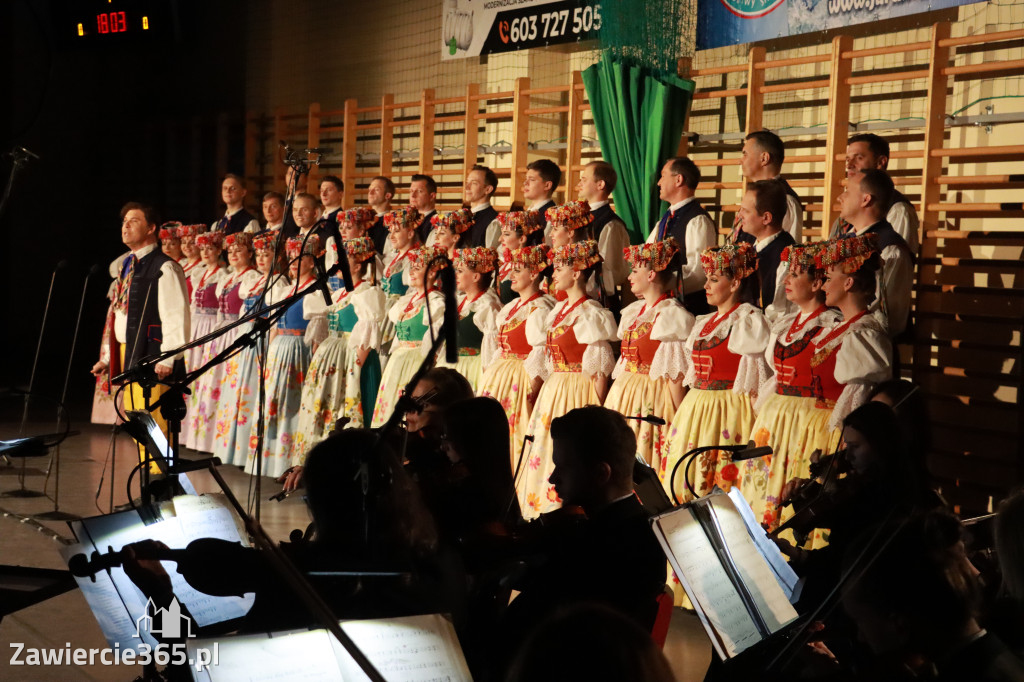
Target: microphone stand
{"points": [[57, 514], [749, 451], [22, 491]]}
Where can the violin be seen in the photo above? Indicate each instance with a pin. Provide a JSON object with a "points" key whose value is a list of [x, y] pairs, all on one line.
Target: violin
{"points": [[827, 490]]}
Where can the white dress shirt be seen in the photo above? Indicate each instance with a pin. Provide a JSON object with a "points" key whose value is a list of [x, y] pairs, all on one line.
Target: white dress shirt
{"points": [[700, 235]]}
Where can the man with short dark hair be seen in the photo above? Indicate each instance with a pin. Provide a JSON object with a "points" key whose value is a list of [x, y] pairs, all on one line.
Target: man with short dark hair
{"points": [[423, 195], [761, 159], [539, 184], [868, 150], [235, 218], [150, 310], [763, 210], [273, 210], [613, 558], [864, 205], [379, 196], [690, 225], [597, 181], [481, 182]]}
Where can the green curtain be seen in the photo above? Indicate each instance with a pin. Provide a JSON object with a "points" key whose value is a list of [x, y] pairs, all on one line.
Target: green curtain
{"points": [[639, 118]]}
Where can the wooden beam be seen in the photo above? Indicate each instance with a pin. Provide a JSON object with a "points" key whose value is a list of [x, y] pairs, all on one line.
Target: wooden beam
{"points": [[277, 169], [427, 131], [472, 129], [838, 128], [574, 134], [520, 137], [934, 130], [348, 152], [387, 134], [312, 142], [755, 100]]}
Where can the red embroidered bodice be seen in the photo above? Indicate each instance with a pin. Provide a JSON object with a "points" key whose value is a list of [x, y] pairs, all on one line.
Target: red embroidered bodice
{"points": [[565, 351], [714, 365]]}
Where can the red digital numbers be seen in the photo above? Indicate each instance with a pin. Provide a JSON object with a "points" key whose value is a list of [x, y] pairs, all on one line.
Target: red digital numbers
{"points": [[113, 22]]}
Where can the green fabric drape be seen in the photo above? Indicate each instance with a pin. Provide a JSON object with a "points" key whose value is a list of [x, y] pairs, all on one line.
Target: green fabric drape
{"points": [[639, 119]]}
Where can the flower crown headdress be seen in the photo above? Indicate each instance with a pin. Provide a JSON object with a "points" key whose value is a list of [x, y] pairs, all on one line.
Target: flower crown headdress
{"points": [[738, 261], [849, 253], [360, 249], [573, 215], [578, 255], [526, 222], [407, 218], [655, 255], [456, 222], [478, 259], [533, 258]]}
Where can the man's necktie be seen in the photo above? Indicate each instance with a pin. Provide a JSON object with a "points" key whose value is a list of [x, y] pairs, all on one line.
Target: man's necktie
{"points": [[222, 224], [124, 282]]}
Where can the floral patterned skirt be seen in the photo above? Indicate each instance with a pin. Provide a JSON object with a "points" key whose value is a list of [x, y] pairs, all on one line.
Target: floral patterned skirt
{"points": [[637, 395], [202, 324], [287, 363], [563, 391], [508, 382], [707, 418], [335, 387], [469, 366], [103, 409], [235, 418], [794, 428], [401, 367], [209, 389]]}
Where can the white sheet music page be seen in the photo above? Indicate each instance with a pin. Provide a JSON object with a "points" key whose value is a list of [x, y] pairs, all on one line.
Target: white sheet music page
{"points": [[784, 573], [406, 649], [697, 564], [305, 656], [771, 600]]}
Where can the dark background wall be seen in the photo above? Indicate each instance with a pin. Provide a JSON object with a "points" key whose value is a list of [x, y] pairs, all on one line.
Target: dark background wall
{"points": [[158, 122]]}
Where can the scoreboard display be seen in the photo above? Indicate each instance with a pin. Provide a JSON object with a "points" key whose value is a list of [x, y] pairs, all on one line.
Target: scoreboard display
{"points": [[94, 22]]}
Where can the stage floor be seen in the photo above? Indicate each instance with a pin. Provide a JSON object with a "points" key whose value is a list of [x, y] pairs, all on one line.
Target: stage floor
{"points": [[66, 618]]}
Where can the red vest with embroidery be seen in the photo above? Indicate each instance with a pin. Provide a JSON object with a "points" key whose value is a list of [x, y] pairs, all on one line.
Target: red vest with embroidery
{"points": [[792, 363], [565, 351], [512, 339], [823, 366], [714, 365], [638, 348]]}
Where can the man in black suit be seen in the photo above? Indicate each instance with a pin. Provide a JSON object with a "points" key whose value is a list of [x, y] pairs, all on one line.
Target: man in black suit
{"points": [[481, 182], [613, 557], [235, 218], [762, 212], [423, 195], [379, 196]]}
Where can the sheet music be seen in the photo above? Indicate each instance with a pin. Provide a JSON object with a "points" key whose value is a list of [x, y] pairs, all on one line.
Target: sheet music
{"points": [[784, 573], [698, 566], [305, 656], [770, 598], [106, 604], [407, 649]]}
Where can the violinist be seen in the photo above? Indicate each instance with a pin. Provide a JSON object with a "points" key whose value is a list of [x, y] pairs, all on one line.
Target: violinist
{"points": [[613, 557], [884, 482]]}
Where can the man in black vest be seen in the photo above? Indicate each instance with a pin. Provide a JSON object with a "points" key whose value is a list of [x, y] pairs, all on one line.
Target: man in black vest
{"points": [[539, 184], [379, 196], [689, 223], [332, 190], [273, 210], [763, 210], [597, 182], [864, 205], [235, 218], [476, 193], [423, 195], [150, 311], [868, 150], [761, 159]]}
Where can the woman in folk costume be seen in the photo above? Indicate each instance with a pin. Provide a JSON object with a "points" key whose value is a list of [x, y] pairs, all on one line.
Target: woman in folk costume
{"points": [[568, 226], [518, 229], [478, 305], [787, 417], [356, 222], [205, 314], [725, 366], [404, 240], [209, 389], [576, 334], [191, 262], [416, 318], [648, 378], [514, 376], [287, 362], [170, 240], [451, 230], [236, 416], [345, 370]]}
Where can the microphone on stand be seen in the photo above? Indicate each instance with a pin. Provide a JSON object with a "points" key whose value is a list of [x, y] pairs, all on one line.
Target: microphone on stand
{"points": [[39, 344], [451, 315], [650, 419], [748, 451]]}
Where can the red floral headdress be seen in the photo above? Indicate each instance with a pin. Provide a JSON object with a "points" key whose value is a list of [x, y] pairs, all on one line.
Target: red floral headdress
{"points": [[656, 255], [802, 257], [849, 253], [737, 261], [526, 222], [265, 241], [431, 254], [191, 230], [362, 216], [578, 255], [456, 222], [407, 218], [572, 214], [478, 259], [215, 238], [170, 230], [360, 249], [243, 239], [313, 248], [533, 258]]}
